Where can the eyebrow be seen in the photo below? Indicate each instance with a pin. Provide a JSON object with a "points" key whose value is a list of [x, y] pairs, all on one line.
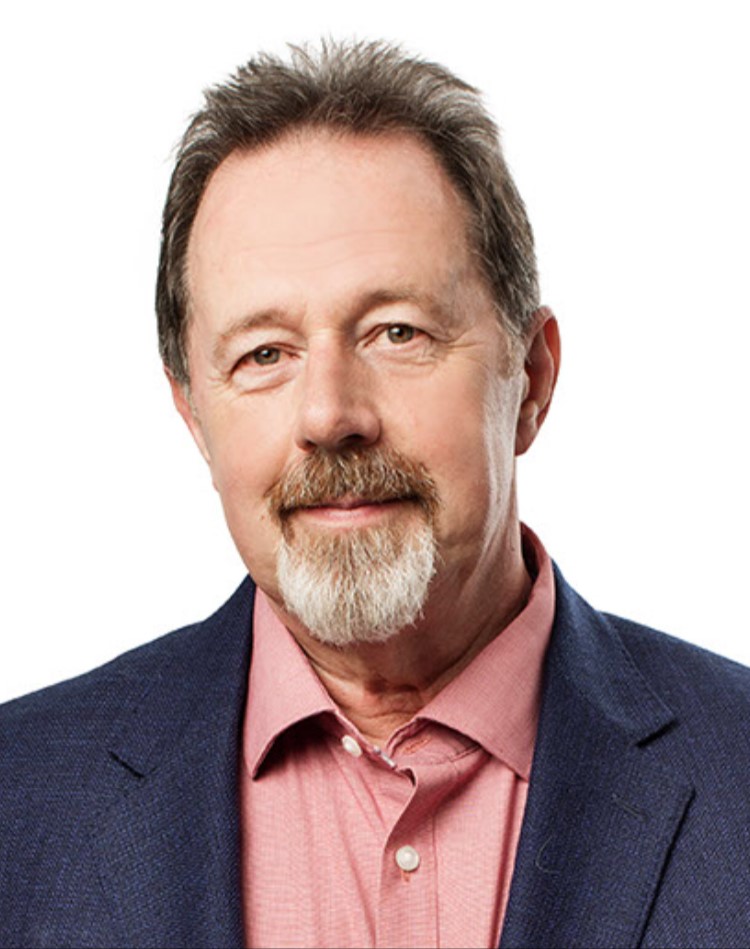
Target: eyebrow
{"points": [[259, 320], [366, 303]]}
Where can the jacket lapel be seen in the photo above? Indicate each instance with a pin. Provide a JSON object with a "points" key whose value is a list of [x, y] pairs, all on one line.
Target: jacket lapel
{"points": [[169, 841], [603, 808]]}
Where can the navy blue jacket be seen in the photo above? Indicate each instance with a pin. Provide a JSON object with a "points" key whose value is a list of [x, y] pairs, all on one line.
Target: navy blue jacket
{"points": [[119, 818]]}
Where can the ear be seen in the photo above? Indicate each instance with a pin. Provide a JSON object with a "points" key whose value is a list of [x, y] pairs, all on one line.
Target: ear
{"points": [[541, 367], [184, 405]]}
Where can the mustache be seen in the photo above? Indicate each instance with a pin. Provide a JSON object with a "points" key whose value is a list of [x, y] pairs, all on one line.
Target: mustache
{"points": [[370, 474]]}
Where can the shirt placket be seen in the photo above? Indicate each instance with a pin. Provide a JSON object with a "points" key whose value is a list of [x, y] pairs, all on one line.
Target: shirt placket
{"points": [[407, 907]]}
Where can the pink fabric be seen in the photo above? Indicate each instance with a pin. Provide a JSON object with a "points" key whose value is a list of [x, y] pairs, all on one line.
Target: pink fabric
{"points": [[322, 827]]}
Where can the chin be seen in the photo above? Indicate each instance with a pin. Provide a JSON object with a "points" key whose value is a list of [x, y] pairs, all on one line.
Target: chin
{"points": [[357, 586]]}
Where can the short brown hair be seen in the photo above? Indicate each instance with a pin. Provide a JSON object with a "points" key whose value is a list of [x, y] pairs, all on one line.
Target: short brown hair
{"points": [[360, 88]]}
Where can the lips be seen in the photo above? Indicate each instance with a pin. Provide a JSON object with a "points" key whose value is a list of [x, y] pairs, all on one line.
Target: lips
{"points": [[346, 504], [349, 503]]}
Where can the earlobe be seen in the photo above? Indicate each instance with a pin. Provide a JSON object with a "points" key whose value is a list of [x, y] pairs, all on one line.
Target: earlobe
{"points": [[184, 405], [541, 368]]}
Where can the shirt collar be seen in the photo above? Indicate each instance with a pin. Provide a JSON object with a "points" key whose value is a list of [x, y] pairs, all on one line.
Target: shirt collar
{"points": [[283, 688], [494, 700]]}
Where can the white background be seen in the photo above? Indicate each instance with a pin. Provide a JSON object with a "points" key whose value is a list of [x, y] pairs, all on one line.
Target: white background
{"points": [[626, 125]]}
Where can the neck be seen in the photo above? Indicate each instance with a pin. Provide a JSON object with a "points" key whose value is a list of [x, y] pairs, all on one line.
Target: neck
{"points": [[381, 686]]}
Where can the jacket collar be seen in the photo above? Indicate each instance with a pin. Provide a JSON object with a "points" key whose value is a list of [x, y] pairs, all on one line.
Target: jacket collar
{"points": [[603, 809]]}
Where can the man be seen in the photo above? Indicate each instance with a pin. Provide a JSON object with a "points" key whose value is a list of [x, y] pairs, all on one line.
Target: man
{"points": [[342, 754]]}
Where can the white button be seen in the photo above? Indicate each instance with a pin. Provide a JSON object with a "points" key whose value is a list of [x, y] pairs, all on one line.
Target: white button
{"points": [[351, 745], [407, 858]]}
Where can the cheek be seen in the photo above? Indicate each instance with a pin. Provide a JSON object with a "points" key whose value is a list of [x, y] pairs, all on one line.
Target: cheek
{"points": [[500, 421], [449, 439], [470, 453], [463, 469], [248, 454], [242, 475], [239, 473]]}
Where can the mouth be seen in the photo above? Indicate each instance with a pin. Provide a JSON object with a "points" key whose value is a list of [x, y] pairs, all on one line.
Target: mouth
{"points": [[350, 510]]}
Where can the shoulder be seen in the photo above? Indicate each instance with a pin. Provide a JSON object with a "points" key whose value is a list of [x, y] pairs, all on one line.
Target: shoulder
{"points": [[708, 694], [684, 673], [649, 681], [64, 719], [86, 705], [674, 668], [74, 753]]}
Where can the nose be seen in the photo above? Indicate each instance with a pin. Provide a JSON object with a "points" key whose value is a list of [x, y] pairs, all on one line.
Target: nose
{"points": [[337, 408]]}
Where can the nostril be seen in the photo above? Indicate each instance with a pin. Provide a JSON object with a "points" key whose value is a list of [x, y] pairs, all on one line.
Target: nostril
{"points": [[353, 440]]}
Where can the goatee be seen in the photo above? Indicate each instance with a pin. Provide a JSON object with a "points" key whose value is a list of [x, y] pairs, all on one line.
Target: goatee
{"points": [[358, 585]]}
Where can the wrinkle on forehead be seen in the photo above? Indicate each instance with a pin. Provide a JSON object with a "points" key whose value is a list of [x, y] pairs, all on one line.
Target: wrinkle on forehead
{"points": [[305, 255]]}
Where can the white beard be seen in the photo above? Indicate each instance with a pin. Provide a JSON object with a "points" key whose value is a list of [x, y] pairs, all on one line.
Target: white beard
{"points": [[360, 586]]}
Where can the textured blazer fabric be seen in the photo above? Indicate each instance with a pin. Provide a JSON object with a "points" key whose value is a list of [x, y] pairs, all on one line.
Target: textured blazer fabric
{"points": [[119, 814]]}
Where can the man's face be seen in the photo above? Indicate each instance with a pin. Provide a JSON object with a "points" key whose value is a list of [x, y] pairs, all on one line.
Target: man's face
{"points": [[336, 307]]}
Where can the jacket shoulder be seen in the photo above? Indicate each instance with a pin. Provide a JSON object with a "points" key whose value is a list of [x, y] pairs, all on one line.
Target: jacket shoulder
{"points": [[75, 753], [652, 684], [35, 728], [709, 697], [685, 674]]}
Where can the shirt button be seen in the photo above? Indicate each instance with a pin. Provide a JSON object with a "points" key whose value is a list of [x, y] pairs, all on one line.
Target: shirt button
{"points": [[351, 745], [407, 858]]}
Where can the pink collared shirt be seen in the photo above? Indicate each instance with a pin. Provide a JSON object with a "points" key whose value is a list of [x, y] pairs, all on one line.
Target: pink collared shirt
{"points": [[413, 845]]}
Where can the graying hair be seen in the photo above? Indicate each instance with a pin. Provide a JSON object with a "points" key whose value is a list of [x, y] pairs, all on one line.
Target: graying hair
{"points": [[360, 88]]}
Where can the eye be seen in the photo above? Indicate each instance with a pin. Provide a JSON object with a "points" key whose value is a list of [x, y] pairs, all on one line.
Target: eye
{"points": [[400, 333], [265, 355]]}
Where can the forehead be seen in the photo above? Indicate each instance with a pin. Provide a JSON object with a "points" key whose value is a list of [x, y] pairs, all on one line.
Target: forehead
{"points": [[316, 199]]}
